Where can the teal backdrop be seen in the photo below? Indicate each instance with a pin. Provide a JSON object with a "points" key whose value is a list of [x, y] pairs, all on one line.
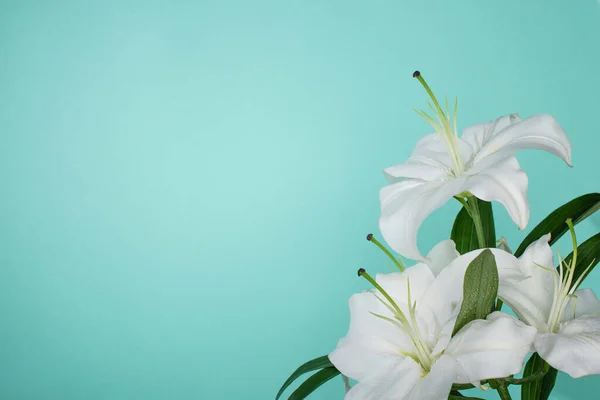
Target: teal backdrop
{"points": [[186, 186]]}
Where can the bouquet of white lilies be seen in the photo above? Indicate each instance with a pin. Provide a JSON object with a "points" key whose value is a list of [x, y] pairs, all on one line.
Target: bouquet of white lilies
{"points": [[443, 325]]}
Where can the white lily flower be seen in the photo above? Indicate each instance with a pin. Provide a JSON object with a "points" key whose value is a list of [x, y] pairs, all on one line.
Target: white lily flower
{"points": [[481, 163], [567, 320], [399, 345]]}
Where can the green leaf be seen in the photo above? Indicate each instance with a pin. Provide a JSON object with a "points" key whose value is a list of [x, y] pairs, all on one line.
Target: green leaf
{"points": [[479, 290], [314, 382], [588, 254], [548, 382], [577, 209], [463, 231], [540, 389], [312, 365]]}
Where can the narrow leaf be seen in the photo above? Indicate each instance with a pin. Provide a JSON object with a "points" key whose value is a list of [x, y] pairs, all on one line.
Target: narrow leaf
{"points": [[314, 382], [588, 255], [577, 209], [548, 382], [463, 231], [312, 365], [479, 290]]}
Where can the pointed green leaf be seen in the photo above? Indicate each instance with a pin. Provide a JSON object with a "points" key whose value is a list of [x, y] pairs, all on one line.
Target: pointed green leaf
{"points": [[312, 365], [314, 382], [463, 231], [577, 209], [479, 290], [540, 389], [588, 254]]}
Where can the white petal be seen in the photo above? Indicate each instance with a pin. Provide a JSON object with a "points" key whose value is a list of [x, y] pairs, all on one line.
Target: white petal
{"points": [[530, 298], [491, 348], [505, 183], [437, 383], [541, 132], [370, 340], [404, 207], [415, 169], [575, 349], [441, 256], [396, 284], [584, 303], [478, 135], [393, 379], [431, 150]]}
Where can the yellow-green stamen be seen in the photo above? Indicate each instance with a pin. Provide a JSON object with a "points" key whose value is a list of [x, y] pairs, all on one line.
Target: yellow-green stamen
{"points": [[443, 125], [407, 325]]}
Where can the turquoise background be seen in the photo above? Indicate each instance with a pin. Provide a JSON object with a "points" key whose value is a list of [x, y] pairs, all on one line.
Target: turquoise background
{"points": [[186, 186]]}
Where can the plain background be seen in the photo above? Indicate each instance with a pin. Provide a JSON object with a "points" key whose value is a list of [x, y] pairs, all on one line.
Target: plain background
{"points": [[186, 186]]}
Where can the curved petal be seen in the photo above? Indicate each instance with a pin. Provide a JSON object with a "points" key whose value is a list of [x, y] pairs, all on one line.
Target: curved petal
{"points": [[437, 383], [416, 170], [540, 131], [575, 349], [584, 303], [370, 340], [404, 207], [490, 348], [393, 379], [441, 256], [431, 150], [396, 284], [505, 183], [478, 135], [530, 295]]}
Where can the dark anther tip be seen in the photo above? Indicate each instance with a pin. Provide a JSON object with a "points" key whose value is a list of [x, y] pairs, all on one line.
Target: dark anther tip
{"points": [[369, 237], [361, 271], [416, 73]]}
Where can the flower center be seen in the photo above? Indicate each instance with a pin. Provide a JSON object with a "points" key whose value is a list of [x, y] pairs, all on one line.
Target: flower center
{"points": [[445, 129], [408, 324]]}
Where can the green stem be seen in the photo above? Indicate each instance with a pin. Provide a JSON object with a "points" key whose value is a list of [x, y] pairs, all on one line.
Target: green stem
{"points": [[499, 304], [503, 392], [472, 201], [533, 377]]}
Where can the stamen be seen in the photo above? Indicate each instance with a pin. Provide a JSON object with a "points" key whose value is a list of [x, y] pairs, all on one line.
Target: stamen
{"points": [[398, 263], [364, 274], [442, 125], [417, 75], [582, 277]]}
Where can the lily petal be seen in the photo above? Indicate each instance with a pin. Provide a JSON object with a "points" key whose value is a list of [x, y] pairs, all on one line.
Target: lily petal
{"points": [[505, 183], [437, 383], [415, 169], [393, 379], [531, 295], [431, 150], [478, 135], [540, 131], [404, 207], [441, 256], [500, 337], [370, 339], [584, 303], [418, 276], [575, 349]]}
